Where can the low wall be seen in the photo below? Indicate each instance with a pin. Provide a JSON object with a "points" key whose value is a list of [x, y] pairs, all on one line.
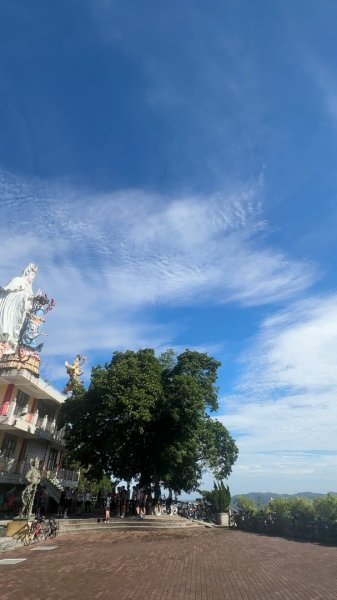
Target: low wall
{"points": [[316, 531]]}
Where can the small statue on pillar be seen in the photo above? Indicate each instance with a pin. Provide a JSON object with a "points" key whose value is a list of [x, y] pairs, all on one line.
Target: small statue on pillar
{"points": [[74, 371]]}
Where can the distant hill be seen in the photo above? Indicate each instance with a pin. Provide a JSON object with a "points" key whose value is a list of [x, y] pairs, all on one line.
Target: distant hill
{"points": [[261, 498]]}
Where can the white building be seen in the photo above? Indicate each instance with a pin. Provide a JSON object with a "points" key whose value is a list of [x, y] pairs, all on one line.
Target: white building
{"points": [[29, 408], [29, 405]]}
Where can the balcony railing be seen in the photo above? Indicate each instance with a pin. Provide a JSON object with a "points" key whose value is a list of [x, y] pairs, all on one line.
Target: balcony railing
{"points": [[62, 474], [15, 467], [45, 426], [49, 426]]}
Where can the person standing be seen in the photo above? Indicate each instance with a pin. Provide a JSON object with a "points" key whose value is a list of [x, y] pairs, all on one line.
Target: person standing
{"points": [[122, 497], [143, 503], [107, 508], [87, 503], [68, 502], [79, 502], [139, 493], [62, 503]]}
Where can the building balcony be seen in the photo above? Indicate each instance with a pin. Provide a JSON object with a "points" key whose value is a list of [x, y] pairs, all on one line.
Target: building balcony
{"points": [[32, 424], [12, 471]]}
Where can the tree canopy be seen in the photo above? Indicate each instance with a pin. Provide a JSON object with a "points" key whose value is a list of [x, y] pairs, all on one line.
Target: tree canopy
{"points": [[148, 417]]}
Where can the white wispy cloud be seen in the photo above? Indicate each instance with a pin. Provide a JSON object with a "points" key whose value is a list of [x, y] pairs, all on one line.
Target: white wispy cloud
{"points": [[324, 78], [284, 413], [108, 257]]}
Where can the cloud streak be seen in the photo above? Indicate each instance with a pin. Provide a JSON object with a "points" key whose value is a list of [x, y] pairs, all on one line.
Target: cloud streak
{"points": [[284, 412], [108, 258]]}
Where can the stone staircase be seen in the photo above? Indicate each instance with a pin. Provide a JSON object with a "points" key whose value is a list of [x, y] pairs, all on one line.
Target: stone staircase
{"points": [[53, 487], [127, 524]]}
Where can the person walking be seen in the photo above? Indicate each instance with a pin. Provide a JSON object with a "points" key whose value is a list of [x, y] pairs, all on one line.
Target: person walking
{"points": [[107, 508]]}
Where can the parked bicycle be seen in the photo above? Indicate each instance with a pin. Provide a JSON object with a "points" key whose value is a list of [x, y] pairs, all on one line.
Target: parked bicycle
{"points": [[162, 510], [199, 512], [37, 531]]}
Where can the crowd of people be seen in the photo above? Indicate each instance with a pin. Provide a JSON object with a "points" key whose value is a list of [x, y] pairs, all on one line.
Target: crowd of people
{"points": [[121, 502], [75, 502]]}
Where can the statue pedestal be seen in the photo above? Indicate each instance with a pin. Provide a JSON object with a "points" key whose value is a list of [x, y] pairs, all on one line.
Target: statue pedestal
{"points": [[14, 526], [30, 362]]}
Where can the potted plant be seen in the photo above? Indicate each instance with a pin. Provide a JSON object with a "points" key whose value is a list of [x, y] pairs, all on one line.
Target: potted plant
{"points": [[220, 498]]}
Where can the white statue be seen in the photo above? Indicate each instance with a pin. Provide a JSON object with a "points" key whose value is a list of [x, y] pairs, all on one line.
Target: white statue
{"points": [[16, 300]]}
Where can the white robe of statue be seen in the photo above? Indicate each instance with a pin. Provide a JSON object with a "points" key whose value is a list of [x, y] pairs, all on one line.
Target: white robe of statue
{"points": [[15, 301]]}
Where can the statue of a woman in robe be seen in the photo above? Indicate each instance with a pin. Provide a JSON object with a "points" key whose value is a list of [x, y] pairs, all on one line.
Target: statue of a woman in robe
{"points": [[16, 300]]}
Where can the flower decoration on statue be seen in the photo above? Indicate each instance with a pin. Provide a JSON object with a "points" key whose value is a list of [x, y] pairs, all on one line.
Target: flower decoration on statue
{"points": [[34, 320]]}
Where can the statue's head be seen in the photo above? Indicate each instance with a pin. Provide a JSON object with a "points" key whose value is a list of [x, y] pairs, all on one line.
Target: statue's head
{"points": [[29, 272]]}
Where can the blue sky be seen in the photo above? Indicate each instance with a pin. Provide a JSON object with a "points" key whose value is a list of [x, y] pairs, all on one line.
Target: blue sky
{"points": [[171, 169]]}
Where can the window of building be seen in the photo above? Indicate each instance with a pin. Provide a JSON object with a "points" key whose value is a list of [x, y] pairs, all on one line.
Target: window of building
{"points": [[8, 445], [46, 410], [52, 459], [21, 403]]}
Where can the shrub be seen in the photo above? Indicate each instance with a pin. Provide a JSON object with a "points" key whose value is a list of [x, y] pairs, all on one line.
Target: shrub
{"points": [[279, 507], [246, 504], [301, 509], [326, 507], [219, 497]]}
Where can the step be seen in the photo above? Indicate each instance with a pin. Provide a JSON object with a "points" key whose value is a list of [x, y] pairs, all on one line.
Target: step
{"points": [[129, 524], [162, 522], [150, 520], [111, 527], [126, 525]]}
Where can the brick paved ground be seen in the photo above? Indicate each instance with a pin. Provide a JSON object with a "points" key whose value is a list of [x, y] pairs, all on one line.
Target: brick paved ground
{"points": [[197, 564]]}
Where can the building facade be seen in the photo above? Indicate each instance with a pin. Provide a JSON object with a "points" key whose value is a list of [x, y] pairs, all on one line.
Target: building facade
{"points": [[29, 405], [29, 409]]}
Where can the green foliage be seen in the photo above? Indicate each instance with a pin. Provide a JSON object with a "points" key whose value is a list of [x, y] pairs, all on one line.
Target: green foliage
{"points": [[218, 448], [246, 504], [326, 507], [86, 482], [219, 497], [147, 417], [295, 508], [279, 507], [301, 509], [94, 485]]}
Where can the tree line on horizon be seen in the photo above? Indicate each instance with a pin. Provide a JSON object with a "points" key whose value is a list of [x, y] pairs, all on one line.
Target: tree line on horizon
{"points": [[320, 508]]}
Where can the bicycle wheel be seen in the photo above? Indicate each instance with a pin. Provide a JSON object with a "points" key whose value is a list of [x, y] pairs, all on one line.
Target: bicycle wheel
{"points": [[54, 528], [25, 537], [46, 531]]}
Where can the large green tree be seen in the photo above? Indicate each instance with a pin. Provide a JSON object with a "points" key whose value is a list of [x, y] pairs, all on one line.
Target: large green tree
{"points": [[149, 417]]}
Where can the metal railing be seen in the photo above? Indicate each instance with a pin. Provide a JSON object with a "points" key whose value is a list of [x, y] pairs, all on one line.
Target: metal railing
{"points": [[45, 425], [16, 467]]}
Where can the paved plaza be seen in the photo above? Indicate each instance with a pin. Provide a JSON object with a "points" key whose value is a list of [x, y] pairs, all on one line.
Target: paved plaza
{"points": [[196, 564]]}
